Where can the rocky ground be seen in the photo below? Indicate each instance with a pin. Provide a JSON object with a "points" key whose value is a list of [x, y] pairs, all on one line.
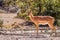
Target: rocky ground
{"points": [[19, 37]]}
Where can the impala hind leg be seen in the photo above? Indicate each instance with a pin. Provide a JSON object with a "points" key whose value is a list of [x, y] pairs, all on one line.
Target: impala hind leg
{"points": [[52, 28]]}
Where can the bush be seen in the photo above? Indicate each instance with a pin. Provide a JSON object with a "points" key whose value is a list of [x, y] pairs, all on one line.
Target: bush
{"points": [[22, 15], [58, 22]]}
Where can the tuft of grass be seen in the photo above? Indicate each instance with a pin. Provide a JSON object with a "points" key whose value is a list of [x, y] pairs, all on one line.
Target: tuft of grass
{"points": [[1, 23]]}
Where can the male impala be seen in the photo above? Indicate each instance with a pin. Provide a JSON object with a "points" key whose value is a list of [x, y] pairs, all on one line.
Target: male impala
{"points": [[42, 20]]}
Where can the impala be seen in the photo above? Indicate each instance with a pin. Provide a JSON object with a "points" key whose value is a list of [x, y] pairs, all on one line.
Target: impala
{"points": [[42, 20]]}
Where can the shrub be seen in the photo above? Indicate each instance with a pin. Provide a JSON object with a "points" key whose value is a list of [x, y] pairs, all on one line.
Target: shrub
{"points": [[58, 22], [22, 15]]}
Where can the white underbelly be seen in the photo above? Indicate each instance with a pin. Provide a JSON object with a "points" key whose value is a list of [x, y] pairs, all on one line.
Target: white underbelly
{"points": [[43, 23]]}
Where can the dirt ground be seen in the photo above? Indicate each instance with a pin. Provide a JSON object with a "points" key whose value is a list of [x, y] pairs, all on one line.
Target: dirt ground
{"points": [[18, 37]]}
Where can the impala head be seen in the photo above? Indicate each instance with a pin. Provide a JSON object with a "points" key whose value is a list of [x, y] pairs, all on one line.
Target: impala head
{"points": [[30, 13]]}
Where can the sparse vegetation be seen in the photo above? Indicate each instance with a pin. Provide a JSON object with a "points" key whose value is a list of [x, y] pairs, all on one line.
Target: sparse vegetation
{"points": [[1, 23]]}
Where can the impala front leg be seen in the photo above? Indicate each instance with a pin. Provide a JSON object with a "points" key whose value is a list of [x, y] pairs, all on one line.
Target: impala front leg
{"points": [[37, 29]]}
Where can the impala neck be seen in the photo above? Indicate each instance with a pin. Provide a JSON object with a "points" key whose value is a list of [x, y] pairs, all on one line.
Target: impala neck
{"points": [[30, 15]]}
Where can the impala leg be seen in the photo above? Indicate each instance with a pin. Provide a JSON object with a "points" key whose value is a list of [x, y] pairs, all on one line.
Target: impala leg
{"points": [[52, 28], [37, 29]]}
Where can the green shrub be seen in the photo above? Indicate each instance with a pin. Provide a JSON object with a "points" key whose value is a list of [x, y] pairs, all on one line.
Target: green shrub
{"points": [[22, 15], [58, 22]]}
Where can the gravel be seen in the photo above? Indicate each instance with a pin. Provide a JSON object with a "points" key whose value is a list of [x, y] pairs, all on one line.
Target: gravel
{"points": [[19, 37]]}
